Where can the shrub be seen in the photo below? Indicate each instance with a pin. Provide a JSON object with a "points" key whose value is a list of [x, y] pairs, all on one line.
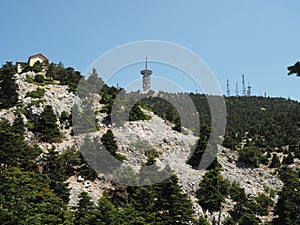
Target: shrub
{"points": [[38, 93], [275, 163], [250, 155], [39, 78]]}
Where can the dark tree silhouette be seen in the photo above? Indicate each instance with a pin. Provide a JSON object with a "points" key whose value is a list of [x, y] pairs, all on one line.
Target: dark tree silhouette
{"points": [[295, 69]]}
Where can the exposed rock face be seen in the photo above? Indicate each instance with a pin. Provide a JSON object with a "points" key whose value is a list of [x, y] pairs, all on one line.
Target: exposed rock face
{"points": [[56, 95], [252, 179], [173, 148]]}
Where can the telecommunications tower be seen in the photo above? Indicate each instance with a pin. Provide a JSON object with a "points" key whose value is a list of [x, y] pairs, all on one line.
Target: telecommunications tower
{"points": [[237, 89], [249, 90], [228, 88], [244, 86], [146, 77]]}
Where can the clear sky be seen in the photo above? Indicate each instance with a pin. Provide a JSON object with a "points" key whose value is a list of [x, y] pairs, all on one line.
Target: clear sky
{"points": [[252, 37]]}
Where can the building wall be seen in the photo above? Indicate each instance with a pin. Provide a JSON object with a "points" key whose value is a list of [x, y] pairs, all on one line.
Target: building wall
{"points": [[19, 67], [33, 60], [146, 83]]}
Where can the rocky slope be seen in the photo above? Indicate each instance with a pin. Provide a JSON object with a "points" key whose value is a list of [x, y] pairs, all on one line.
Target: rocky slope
{"points": [[173, 148]]}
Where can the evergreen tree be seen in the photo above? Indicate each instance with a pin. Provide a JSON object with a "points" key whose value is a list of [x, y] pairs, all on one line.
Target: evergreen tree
{"points": [[18, 125], [172, 206], [289, 159], [229, 221], [55, 167], [8, 87], [200, 148], [26, 198], [108, 140], [288, 205], [212, 190], [106, 212], [83, 119], [248, 219], [137, 114], [250, 155], [202, 221], [143, 200], [275, 162], [47, 125], [94, 82], [85, 212], [14, 151]]}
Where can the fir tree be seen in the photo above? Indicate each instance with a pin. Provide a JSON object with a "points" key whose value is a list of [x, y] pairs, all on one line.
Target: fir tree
{"points": [[275, 162], [172, 206], [55, 167], [47, 125], [85, 212], [8, 87]]}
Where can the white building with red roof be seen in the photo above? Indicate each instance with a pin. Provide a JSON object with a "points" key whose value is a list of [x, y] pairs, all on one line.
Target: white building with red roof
{"points": [[32, 60]]}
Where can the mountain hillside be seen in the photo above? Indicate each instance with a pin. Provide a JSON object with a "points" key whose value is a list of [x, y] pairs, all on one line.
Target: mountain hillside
{"points": [[248, 182]]}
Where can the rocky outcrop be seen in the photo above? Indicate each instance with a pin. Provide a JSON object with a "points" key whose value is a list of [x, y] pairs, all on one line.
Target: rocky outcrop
{"points": [[251, 179], [173, 148]]}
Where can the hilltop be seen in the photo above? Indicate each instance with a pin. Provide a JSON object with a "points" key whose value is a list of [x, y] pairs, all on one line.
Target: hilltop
{"points": [[255, 167]]}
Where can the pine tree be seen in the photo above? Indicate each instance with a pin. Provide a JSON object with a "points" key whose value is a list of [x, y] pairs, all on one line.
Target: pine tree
{"points": [[110, 143], [18, 125], [202, 221], [26, 198], [94, 82], [288, 205], [8, 87], [289, 159], [212, 190], [55, 167], [106, 212], [14, 151], [47, 125], [275, 162], [172, 206], [85, 212]]}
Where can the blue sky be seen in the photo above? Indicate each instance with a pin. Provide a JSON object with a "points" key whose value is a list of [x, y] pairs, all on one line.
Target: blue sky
{"points": [[256, 38]]}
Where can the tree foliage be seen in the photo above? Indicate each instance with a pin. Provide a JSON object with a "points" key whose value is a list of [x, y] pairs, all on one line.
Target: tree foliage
{"points": [[26, 198], [8, 87], [47, 125], [288, 205], [212, 190], [295, 69]]}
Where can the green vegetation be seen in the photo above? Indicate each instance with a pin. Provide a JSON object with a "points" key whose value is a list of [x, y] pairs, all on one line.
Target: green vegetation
{"points": [[121, 107], [200, 148], [275, 162], [8, 87], [212, 190], [163, 203], [33, 187], [37, 67], [145, 148], [295, 69], [250, 155], [38, 93], [108, 140], [14, 151], [47, 125], [288, 206], [66, 76]]}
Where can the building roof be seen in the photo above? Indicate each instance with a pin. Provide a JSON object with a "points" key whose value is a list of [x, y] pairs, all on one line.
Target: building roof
{"points": [[36, 55]]}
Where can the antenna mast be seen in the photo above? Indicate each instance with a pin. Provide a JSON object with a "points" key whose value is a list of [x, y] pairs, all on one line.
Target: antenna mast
{"points": [[237, 89], [146, 77], [244, 86], [249, 90], [228, 88]]}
